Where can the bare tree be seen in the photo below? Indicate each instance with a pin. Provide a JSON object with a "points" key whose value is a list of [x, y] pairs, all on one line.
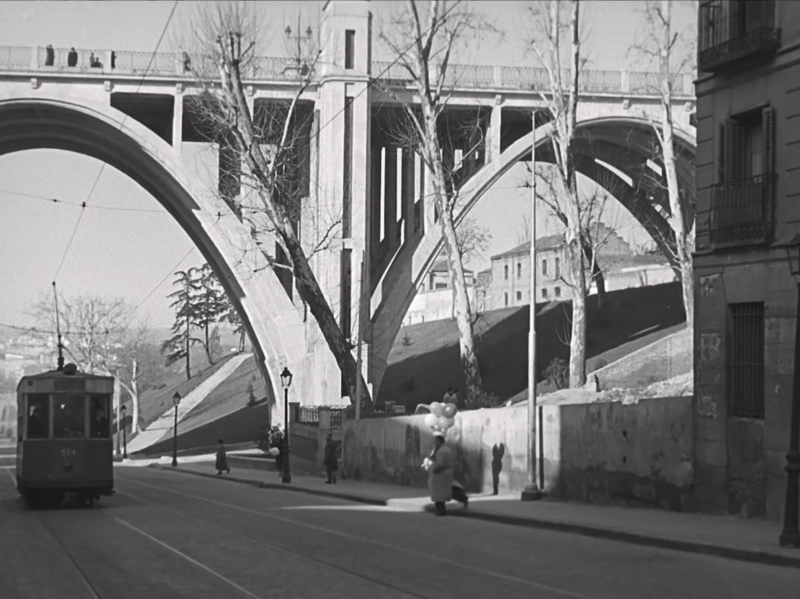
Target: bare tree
{"points": [[263, 153], [437, 29], [550, 24], [93, 328], [673, 52]]}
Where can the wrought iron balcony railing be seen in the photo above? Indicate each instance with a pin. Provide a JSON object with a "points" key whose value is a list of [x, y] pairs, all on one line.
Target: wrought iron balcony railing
{"points": [[731, 30], [742, 211]]}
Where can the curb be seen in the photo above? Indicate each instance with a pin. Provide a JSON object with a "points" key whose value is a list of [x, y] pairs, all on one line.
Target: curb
{"points": [[761, 557], [282, 487]]}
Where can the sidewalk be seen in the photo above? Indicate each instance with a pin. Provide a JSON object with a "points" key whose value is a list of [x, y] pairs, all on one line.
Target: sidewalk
{"points": [[721, 536]]}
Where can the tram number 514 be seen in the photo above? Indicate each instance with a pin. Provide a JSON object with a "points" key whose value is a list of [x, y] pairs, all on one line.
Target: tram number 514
{"points": [[67, 452]]}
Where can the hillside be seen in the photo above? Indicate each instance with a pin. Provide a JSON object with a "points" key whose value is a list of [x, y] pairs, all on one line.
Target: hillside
{"points": [[425, 360]]}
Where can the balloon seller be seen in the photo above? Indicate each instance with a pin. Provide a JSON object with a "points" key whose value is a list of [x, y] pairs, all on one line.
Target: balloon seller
{"points": [[441, 483]]}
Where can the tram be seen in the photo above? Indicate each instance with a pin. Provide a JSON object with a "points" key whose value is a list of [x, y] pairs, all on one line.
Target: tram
{"points": [[64, 440]]}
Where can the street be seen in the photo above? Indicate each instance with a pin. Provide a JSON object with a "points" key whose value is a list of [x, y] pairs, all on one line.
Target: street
{"points": [[167, 535]]}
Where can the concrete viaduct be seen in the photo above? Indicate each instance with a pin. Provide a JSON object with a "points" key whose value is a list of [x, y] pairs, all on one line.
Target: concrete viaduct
{"points": [[136, 117]]}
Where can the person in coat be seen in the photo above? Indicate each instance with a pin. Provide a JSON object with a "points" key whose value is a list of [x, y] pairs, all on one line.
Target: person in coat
{"points": [[331, 459], [440, 474], [222, 459]]}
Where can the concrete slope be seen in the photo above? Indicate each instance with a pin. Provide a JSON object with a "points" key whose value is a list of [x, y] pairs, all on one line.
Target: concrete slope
{"points": [[164, 424]]}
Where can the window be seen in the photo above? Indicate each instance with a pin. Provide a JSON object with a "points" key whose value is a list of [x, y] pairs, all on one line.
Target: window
{"points": [[544, 267], [730, 30], [742, 200], [519, 296], [557, 291], [505, 272], [558, 267], [544, 293], [99, 424], [519, 270], [69, 416], [746, 364], [441, 285], [349, 48], [505, 297], [38, 415]]}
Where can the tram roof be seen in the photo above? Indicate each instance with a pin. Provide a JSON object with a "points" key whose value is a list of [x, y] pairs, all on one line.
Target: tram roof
{"points": [[51, 374]]}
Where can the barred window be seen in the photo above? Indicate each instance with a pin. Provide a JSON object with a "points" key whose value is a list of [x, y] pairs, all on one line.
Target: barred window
{"points": [[746, 367]]}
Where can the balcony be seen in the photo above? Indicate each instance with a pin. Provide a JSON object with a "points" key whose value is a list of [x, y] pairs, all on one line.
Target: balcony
{"points": [[733, 30], [741, 212]]}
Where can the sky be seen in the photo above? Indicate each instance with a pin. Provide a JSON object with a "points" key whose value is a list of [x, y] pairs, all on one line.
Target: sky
{"points": [[125, 244]]}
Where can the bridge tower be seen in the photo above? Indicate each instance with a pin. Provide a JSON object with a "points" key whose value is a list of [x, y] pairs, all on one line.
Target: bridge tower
{"points": [[342, 125]]}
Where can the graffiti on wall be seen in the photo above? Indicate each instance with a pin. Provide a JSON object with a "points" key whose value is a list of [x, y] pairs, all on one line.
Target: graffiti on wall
{"points": [[707, 284], [710, 348], [706, 406]]}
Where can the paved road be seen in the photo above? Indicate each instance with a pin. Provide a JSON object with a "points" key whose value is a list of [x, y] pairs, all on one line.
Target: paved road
{"points": [[170, 535]]}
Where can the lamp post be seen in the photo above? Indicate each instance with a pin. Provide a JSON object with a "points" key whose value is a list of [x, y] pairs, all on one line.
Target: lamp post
{"points": [[176, 399], [124, 434], [531, 491], [286, 381], [299, 38], [790, 535]]}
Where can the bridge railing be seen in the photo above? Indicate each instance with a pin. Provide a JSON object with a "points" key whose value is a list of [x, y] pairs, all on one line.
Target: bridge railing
{"points": [[265, 68]]}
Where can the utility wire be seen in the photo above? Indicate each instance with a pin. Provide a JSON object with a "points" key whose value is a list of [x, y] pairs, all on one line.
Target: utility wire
{"points": [[103, 165], [79, 204]]}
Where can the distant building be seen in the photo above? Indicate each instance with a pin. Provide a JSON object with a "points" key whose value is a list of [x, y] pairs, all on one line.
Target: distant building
{"points": [[434, 299], [510, 283]]}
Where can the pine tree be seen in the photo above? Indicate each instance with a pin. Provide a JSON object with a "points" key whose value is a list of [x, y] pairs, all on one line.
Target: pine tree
{"points": [[186, 317]]}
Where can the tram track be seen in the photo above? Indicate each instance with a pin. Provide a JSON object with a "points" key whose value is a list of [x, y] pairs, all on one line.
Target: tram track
{"points": [[498, 576], [90, 587]]}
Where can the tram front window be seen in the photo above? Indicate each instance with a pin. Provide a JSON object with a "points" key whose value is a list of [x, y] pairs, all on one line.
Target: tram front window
{"points": [[99, 425], [37, 415], [69, 416]]}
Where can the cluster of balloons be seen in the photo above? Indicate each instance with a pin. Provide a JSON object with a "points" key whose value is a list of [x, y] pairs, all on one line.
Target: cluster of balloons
{"points": [[442, 416]]}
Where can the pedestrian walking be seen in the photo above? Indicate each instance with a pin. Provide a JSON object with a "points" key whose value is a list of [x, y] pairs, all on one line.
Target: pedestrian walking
{"points": [[72, 58], [222, 459], [49, 56], [331, 459]]}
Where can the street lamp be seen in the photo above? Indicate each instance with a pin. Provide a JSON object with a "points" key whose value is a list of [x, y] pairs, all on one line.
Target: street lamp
{"points": [[531, 491], [299, 38], [790, 535], [176, 399], [286, 381], [124, 434]]}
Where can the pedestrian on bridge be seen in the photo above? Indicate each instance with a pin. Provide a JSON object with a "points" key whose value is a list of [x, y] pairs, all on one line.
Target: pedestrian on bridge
{"points": [[222, 459], [72, 58]]}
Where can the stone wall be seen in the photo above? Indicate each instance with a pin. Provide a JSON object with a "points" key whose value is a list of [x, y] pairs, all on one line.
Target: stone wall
{"points": [[639, 453], [630, 454]]}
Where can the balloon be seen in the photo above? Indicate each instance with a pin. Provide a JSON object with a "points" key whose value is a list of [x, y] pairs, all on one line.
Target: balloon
{"points": [[450, 410], [436, 408], [443, 423], [431, 420], [274, 452], [451, 422]]}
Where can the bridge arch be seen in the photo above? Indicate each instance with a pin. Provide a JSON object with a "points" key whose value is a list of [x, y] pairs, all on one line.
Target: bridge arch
{"points": [[626, 143], [105, 133]]}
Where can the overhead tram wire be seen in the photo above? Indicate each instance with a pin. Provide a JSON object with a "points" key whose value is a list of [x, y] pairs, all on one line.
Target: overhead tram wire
{"points": [[54, 200], [103, 165]]}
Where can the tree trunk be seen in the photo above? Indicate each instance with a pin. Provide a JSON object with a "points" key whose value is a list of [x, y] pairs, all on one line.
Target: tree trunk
{"points": [[597, 272], [310, 292], [188, 368], [135, 394], [455, 267], [683, 241], [577, 345]]}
